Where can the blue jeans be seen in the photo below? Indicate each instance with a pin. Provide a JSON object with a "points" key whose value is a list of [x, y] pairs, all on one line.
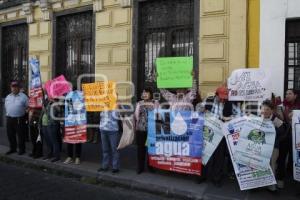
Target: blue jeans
{"points": [[51, 137], [110, 141]]}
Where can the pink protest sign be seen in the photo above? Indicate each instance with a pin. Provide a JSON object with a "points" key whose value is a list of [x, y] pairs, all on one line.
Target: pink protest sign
{"points": [[57, 87]]}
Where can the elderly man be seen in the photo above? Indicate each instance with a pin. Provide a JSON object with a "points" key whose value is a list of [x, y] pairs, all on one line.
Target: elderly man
{"points": [[16, 104]]}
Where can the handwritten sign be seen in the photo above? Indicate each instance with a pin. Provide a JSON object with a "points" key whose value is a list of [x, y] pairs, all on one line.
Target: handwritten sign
{"points": [[174, 72], [248, 85], [57, 87], [100, 96]]}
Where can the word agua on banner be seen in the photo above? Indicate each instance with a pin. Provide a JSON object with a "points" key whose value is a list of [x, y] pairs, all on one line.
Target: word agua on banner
{"points": [[256, 143], [248, 85], [57, 87], [175, 141], [36, 92], [248, 178], [75, 118], [174, 72], [296, 144], [100, 96], [212, 136]]}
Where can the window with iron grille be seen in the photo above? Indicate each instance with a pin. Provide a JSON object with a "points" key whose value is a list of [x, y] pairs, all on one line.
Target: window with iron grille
{"points": [[74, 46], [14, 56], [164, 28], [292, 57]]}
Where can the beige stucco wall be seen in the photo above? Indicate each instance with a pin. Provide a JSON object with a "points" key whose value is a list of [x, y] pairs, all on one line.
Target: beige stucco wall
{"points": [[222, 38], [222, 41]]}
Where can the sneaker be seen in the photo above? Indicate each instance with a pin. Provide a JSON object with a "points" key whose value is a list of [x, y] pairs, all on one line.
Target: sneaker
{"points": [[55, 160], [10, 152], [102, 169], [280, 184], [115, 171], [68, 160], [77, 161]]}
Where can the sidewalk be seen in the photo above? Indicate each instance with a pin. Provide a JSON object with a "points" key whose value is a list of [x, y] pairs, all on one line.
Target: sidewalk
{"points": [[156, 183]]}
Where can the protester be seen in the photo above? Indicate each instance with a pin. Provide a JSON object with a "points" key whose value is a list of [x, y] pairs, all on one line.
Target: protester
{"points": [[35, 133], [110, 129], [141, 116], [16, 104], [285, 112], [225, 111], [267, 112], [51, 128]]}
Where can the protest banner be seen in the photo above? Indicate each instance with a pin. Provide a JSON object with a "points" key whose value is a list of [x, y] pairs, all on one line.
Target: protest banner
{"points": [[248, 85], [248, 178], [212, 136], [296, 144], [57, 87], [75, 118], [35, 92], [100, 96], [256, 143], [175, 141], [174, 72]]}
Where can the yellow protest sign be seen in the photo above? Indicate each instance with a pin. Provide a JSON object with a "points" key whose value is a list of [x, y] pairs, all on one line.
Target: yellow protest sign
{"points": [[100, 96]]}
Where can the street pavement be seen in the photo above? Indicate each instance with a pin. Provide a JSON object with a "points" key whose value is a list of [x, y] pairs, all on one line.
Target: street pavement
{"points": [[159, 183], [17, 183]]}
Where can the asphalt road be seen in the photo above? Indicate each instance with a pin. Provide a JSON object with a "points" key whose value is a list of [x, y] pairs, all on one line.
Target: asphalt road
{"points": [[17, 183]]}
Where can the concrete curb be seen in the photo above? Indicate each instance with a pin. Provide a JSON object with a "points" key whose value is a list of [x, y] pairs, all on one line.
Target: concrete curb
{"points": [[106, 179]]}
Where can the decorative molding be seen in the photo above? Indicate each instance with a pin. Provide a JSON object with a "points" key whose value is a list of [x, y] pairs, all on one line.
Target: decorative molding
{"points": [[125, 3], [98, 5], [28, 10], [45, 8]]}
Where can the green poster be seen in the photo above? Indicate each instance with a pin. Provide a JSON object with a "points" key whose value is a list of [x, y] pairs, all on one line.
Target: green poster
{"points": [[174, 72]]}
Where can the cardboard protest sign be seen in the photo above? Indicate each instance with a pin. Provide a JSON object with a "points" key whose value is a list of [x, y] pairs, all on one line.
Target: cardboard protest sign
{"points": [[296, 144], [212, 136], [256, 143], [175, 141], [57, 87], [174, 72], [248, 85], [100, 96], [248, 178], [75, 118], [35, 92]]}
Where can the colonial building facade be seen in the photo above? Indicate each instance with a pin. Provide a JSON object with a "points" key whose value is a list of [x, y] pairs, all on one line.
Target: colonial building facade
{"points": [[122, 38]]}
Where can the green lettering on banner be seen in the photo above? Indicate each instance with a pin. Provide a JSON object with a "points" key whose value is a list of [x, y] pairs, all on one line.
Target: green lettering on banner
{"points": [[174, 72]]}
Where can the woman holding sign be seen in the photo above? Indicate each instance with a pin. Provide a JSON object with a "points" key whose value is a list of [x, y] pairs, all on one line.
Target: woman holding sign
{"points": [[141, 116]]}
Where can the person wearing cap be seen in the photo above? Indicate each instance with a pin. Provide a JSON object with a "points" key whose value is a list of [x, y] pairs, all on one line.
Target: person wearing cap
{"points": [[16, 104], [225, 111]]}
